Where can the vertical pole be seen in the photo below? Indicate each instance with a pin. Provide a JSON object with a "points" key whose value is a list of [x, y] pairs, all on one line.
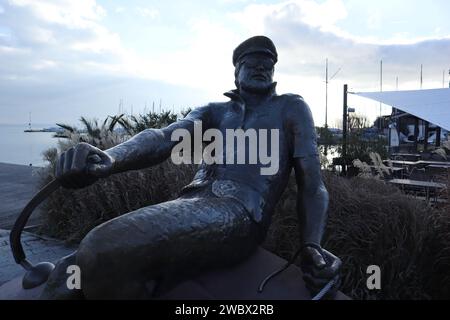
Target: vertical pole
{"points": [[392, 120], [394, 112], [443, 78], [344, 132], [389, 137], [326, 94], [416, 133], [326, 105], [381, 87], [421, 76], [427, 132], [438, 137]]}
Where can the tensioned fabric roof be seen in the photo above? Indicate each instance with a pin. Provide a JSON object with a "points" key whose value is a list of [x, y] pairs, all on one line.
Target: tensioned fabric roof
{"points": [[432, 105]]}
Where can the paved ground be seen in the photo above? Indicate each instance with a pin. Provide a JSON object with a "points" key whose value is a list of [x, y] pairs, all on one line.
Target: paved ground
{"points": [[18, 184], [37, 249]]}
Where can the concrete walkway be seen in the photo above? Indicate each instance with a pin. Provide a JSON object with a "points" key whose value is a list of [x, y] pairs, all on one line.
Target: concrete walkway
{"points": [[36, 248], [18, 184]]}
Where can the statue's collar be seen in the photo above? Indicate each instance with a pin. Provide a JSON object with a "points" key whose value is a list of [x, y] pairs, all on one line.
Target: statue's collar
{"points": [[236, 96]]}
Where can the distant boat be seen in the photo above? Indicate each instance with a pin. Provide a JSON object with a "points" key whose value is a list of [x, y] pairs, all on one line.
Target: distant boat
{"points": [[57, 130], [29, 124], [52, 129], [33, 130]]}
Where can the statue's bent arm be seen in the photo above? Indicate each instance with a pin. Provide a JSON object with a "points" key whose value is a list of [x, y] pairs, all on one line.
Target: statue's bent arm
{"points": [[312, 198], [153, 146]]}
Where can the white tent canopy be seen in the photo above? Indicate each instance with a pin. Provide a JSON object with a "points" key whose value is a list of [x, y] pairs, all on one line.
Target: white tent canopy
{"points": [[431, 105]]}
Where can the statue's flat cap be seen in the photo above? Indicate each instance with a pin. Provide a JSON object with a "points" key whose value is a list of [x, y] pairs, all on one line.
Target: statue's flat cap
{"points": [[257, 44]]}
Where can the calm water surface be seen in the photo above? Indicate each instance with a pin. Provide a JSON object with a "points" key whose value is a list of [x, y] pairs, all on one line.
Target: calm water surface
{"points": [[26, 148]]}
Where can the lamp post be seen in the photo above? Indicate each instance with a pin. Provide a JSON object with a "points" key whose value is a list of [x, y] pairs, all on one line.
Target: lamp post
{"points": [[346, 111]]}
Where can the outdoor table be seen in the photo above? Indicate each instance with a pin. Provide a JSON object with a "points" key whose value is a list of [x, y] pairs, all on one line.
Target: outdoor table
{"points": [[438, 171], [397, 172], [406, 156], [438, 166], [435, 163], [427, 185], [402, 163]]}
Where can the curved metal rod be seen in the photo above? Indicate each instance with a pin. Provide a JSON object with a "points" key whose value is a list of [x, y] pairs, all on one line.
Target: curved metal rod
{"points": [[19, 225], [325, 289], [321, 293]]}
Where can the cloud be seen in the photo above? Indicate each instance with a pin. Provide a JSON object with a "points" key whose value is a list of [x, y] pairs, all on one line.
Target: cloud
{"points": [[58, 60], [148, 12], [304, 40], [119, 9], [374, 20], [53, 27], [59, 51], [323, 16], [68, 13]]}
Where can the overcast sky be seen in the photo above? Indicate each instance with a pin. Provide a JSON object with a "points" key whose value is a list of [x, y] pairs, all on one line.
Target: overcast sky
{"points": [[64, 59]]}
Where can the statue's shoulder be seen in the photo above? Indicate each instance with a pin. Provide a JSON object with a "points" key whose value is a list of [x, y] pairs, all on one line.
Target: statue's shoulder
{"points": [[219, 108], [296, 112], [292, 102], [210, 112], [291, 96], [220, 105], [211, 107]]}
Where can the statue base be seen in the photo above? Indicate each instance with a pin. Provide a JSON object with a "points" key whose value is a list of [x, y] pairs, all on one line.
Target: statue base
{"points": [[240, 282]]}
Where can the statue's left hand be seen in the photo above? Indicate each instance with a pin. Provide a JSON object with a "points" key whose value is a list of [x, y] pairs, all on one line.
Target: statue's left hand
{"points": [[319, 267]]}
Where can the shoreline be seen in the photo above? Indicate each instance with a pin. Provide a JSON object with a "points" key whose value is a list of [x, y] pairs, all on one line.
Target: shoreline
{"points": [[22, 148], [20, 165]]}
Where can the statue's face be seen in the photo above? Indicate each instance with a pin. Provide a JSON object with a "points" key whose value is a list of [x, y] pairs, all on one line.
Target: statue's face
{"points": [[255, 73]]}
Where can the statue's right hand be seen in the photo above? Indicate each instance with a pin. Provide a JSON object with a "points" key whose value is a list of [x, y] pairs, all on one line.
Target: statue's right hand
{"points": [[82, 165]]}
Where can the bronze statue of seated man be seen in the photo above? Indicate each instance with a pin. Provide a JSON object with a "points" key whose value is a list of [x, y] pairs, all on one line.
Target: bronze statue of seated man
{"points": [[224, 214]]}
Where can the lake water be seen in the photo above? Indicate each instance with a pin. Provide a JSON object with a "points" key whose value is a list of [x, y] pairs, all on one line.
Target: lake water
{"points": [[26, 148]]}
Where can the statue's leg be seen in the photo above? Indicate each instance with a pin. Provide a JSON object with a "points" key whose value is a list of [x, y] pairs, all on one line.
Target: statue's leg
{"points": [[178, 238], [56, 287]]}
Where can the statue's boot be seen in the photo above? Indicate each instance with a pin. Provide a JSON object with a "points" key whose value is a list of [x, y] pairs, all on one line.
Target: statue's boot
{"points": [[57, 285]]}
